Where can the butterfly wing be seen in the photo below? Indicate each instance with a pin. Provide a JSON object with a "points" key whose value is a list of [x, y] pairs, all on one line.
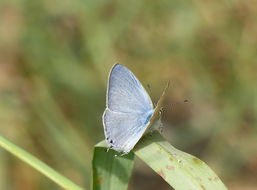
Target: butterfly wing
{"points": [[123, 130], [128, 110], [125, 93]]}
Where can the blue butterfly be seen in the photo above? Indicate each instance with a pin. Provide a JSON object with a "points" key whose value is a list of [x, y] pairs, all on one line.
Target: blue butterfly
{"points": [[129, 110]]}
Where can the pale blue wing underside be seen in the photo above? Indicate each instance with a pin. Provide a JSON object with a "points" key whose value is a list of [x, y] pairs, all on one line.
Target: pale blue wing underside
{"points": [[125, 93], [128, 110], [123, 130]]}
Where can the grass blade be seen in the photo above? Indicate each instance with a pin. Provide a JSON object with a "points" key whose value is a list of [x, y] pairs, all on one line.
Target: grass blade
{"points": [[38, 165], [110, 171], [181, 170]]}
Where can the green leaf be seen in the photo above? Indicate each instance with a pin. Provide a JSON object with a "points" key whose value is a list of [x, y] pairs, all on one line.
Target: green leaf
{"points": [[111, 171], [179, 169], [38, 165]]}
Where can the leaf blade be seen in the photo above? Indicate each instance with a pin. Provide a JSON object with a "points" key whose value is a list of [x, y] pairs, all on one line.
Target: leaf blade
{"points": [[38, 165], [110, 171], [177, 168]]}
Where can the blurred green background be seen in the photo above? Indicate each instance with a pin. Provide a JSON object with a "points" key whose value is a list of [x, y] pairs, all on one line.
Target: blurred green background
{"points": [[55, 57]]}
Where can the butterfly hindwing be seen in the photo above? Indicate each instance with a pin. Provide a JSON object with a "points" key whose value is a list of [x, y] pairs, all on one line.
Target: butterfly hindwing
{"points": [[123, 130]]}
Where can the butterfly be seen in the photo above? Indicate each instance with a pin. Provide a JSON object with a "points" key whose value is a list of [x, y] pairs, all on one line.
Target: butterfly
{"points": [[129, 110]]}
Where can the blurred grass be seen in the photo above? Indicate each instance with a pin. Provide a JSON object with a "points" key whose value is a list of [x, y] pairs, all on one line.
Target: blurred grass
{"points": [[38, 165], [54, 61]]}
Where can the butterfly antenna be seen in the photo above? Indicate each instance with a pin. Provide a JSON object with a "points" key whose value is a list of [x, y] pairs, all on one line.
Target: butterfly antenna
{"points": [[169, 106], [150, 92], [149, 89]]}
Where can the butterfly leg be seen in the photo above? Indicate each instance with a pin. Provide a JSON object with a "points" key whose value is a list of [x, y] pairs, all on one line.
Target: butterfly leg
{"points": [[160, 127], [107, 150], [124, 153]]}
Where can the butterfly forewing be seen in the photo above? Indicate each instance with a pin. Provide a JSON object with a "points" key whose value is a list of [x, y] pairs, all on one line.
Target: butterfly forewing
{"points": [[125, 93]]}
